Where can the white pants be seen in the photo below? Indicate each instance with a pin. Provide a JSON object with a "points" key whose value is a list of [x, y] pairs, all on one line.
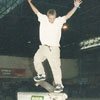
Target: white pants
{"points": [[52, 54]]}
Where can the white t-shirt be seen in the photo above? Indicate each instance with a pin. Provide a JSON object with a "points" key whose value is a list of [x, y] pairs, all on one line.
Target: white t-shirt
{"points": [[50, 33]]}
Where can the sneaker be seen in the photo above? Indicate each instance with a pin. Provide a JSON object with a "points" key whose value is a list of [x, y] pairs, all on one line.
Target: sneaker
{"points": [[58, 88], [40, 78]]}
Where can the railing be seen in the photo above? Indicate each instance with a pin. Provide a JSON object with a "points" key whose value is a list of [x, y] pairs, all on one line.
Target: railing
{"points": [[8, 5]]}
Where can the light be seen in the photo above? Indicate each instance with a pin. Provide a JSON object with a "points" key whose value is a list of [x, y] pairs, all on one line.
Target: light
{"points": [[65, 27], [93, 42], [29, 42]]}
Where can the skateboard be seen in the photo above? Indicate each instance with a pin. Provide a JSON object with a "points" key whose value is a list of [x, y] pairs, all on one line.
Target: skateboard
{"points": [[50, 88], [46, 85]]}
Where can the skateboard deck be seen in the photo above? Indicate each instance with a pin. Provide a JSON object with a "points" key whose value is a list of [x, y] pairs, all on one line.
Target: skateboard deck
{"points": [[45, 85]]}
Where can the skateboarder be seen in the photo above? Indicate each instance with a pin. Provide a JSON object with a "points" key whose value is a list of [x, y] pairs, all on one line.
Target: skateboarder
{"points": [[50, 35]]}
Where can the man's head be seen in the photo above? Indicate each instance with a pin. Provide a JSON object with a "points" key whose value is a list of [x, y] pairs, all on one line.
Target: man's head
{"points": [[51, 14]]}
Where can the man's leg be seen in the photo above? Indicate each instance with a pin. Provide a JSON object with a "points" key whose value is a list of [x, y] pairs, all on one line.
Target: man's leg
{"points": [[38, 59], [55, 64]]}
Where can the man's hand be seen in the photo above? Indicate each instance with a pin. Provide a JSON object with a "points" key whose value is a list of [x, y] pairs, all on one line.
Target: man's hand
{"points": [[34, 9], [29, 1], [77, 3], [71, 12]]}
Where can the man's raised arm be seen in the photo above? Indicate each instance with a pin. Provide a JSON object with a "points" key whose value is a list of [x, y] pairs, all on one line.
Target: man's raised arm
{"points": [[76, 5], [34, 9]]}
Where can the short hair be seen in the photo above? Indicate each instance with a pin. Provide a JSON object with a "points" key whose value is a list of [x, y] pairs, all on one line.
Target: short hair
{"points": [[51, 12]]}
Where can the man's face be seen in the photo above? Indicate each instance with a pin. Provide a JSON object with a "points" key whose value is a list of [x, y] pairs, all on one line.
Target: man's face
{"points": [[51, 18]]}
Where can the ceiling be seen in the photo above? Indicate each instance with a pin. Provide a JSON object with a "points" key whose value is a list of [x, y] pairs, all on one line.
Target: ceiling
{"points": [[19, 28]]}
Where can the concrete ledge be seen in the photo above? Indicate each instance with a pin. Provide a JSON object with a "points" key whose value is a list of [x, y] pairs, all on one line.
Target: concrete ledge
{"points": [[41, 96], [84, 99]]}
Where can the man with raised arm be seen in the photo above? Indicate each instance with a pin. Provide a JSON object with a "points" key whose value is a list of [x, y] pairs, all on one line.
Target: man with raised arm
{"points": [[50, 35]]}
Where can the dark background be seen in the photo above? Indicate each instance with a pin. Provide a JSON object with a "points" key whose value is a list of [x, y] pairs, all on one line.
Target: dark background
{"points": [[19, 28]]}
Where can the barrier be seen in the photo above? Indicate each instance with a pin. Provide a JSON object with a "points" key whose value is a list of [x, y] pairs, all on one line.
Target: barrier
{"points": [[41, 96]]}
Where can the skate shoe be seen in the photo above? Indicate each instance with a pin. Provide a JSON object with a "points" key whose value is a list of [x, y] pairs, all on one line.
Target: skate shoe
{"points": [[58, 88], [40, 78]]}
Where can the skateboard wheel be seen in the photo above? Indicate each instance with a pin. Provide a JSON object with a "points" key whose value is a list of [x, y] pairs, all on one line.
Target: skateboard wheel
{"points": [[36, 84]]}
